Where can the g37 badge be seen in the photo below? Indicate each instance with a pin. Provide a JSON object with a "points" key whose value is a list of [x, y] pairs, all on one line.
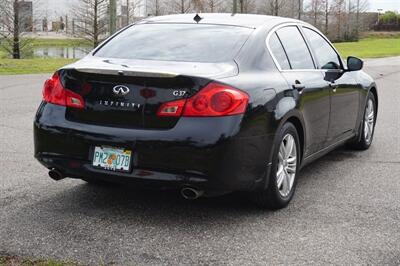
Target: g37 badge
{"points": [[179, 93]]}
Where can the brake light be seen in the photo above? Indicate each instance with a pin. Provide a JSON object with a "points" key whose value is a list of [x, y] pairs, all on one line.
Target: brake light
{"points": [[55, 93], [213, 100]]}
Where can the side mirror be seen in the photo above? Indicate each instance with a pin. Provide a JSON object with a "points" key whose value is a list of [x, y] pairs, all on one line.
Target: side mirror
{"points": [[354, 63]]}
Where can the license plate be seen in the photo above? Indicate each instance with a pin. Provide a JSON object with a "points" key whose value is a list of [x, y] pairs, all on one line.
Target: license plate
{"points": [[113, 159]]}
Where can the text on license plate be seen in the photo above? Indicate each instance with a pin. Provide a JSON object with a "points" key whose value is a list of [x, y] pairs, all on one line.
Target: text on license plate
{"points": [[114, 159]]}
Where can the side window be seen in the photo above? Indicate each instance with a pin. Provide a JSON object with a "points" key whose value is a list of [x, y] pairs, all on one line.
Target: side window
{"points": [[278, 52], [324, 53], [296, 48]]}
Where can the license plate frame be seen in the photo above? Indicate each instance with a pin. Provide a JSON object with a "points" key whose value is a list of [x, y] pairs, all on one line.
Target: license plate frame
{"points": [[117, 159]]}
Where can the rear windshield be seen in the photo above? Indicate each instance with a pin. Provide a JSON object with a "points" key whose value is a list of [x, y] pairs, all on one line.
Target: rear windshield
{"points": [[177, 42]]}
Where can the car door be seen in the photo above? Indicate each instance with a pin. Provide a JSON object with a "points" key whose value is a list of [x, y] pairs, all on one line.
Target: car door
{"points": [[296, 64], [344, 90]]}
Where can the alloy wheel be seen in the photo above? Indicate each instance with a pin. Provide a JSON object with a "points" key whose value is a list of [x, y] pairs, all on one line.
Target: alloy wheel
{"points": [[287, 165], [369, 120]]}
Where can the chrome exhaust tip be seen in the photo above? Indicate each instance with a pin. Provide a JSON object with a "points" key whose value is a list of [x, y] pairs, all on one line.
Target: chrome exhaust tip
{"points": [[191, 193], [56, 175]]}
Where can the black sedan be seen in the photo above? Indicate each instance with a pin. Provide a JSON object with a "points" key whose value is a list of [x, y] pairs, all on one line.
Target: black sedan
{"points": [[207, 104]]}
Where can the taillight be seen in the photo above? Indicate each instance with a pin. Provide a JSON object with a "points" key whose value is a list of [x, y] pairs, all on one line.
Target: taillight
{"points": [[174, 108], [213, 100], [55, 93]]}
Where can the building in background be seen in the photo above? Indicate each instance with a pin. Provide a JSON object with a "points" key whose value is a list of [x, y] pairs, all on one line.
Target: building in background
{"points": [[129, 11], [25, 10]]}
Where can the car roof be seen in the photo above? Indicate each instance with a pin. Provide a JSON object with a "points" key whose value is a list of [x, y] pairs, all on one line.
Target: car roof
{"points": [[239, 20]]}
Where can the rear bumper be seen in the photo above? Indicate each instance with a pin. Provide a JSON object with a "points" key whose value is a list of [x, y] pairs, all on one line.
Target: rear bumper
{"points": [[213, 154]]}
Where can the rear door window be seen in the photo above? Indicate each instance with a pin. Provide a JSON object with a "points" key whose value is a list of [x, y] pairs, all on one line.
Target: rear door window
{"points": [[278, 52], [295, 48]]}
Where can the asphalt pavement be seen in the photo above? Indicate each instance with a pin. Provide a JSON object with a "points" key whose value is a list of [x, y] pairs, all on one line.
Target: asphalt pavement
{"points": [[346, 210]]}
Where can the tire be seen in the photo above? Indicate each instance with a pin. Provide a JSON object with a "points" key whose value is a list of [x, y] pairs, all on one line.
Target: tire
{"points": [[278, 196], [367, 129]]}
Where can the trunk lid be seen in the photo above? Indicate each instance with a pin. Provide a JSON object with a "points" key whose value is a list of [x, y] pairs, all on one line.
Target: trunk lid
{"points": [[128, 93]]}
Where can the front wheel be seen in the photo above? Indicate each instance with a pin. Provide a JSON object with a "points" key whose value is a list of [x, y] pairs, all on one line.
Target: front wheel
{"points": [[366, 134], [285, 164]]}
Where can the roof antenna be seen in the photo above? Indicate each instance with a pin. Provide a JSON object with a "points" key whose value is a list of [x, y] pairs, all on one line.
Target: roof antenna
{"points": [[197, 18]]}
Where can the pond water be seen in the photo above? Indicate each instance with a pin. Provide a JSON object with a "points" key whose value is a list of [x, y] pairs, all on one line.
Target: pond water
{"points": [[57, 52]]}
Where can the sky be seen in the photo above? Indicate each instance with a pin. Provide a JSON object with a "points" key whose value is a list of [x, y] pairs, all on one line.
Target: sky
{"points": [[384, 4]]}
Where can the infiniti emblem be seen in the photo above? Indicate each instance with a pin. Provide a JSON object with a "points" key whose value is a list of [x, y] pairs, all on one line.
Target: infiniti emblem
{"points": [[121, 90]]}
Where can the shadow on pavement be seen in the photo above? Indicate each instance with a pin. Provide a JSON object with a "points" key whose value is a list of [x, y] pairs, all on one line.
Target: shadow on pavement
{"points": [[125, 201]]}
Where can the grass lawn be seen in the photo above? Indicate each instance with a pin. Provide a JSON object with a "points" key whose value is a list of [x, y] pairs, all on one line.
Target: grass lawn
{"points": [[38, 65], [32, 66], [370, 48], [59, 42]]}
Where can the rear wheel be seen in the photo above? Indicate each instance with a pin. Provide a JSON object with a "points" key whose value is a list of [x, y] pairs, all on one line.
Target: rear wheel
{"points": [[367, 130], [282, 179]]}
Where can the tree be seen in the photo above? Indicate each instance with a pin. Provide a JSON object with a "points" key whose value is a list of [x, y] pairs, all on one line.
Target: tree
{"points": [[186, 6], [112, 13], [345, 17], [293, 9], [389, 17], [361, 6], [246, 6], [14, 22], [316, 7], [181, 6], [91, 20], [326, 15], [338, 10], [300, 9], [131, 7], [348, 18], [274, 7], [156, 7], [214, 5], [198, 5]]}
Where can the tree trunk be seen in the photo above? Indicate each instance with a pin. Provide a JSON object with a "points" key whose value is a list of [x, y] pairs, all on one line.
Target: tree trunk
{"points": [[113, 14], [348, 35], [300, 10], [127, 12], [292, 9], [339, 26], [95, 24], [315, 17], [16, 44], [315, 6], [326, 17], [357, 20], [157, 8]]}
